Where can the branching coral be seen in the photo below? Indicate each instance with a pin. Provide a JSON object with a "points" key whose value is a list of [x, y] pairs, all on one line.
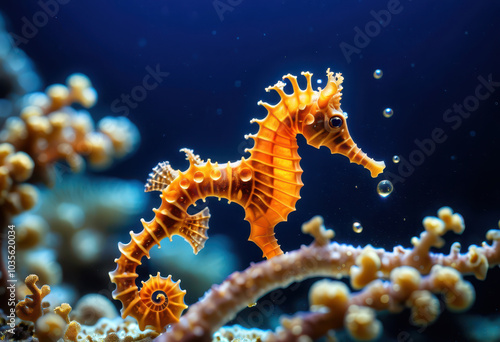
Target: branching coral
{"points": [[49, 130], [333, 306], [31, 308], [97, 310], [15, 168]]}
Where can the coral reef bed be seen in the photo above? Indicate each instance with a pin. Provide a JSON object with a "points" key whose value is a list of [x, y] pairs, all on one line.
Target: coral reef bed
{"points": [[412, 278]]}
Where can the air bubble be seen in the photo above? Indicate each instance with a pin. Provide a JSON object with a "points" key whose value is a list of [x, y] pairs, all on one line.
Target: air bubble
{"points": [[384, 188], [388, 112], [377, 74], [396, 159], [357, 227]]}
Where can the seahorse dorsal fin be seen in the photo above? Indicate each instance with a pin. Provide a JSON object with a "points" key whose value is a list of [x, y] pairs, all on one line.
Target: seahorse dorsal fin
{"points": [[332, 91], [163, 174], [193, 158]]}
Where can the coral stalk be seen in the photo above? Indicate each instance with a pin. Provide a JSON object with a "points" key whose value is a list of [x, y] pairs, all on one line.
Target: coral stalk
{"points": [[323, 258]]}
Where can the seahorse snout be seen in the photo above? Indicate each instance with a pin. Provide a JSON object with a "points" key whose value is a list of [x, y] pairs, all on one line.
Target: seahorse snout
{"points": [[349, 149]]}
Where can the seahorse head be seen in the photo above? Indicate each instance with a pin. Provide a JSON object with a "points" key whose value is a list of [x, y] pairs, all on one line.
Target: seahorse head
{"points": [[326, 125]]}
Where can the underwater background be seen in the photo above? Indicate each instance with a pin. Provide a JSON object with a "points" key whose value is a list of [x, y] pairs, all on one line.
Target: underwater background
{"points": [[214, 59]]}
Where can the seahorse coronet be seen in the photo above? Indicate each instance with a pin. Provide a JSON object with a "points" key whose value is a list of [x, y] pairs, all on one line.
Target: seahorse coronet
{"points": [[267, 185]]}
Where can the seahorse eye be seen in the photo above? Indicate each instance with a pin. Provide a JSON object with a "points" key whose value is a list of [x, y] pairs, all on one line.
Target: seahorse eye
{"points": [[335, 122]]}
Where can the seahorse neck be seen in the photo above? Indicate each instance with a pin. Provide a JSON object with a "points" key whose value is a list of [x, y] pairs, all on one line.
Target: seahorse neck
{"points": [[275, 133]]}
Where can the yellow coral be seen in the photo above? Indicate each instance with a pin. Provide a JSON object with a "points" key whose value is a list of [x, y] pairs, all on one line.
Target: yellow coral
{"points": [[405, 280], [50, 328], [15, 167], [424, 307], [63, 311], [72, 331], [31, 231], [459, 294], [316, 228], [367, 265], [331, 294], [31, 308], [49, 130], [361, 323]]}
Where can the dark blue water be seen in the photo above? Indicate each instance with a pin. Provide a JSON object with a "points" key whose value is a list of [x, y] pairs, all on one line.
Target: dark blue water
{"points": [[214, 59]]}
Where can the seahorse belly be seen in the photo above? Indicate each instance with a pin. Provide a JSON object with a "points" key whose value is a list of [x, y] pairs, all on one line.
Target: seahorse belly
{"points": [[275, 162]]}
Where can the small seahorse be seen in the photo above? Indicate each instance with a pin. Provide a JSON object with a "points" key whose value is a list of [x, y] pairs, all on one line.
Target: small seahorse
{"points": [[266, 185]]}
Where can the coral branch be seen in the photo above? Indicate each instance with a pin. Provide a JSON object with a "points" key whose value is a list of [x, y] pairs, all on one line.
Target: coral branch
{"points": [[63, 310], [336, 306], [31, 308], [49, 130]]}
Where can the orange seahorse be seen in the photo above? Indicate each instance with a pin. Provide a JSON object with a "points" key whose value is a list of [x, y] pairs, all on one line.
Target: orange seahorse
{"points": [[266, 185]]}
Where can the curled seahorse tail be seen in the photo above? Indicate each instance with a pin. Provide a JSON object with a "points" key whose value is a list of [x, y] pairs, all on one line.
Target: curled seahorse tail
{"points": [[160, 301]]}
